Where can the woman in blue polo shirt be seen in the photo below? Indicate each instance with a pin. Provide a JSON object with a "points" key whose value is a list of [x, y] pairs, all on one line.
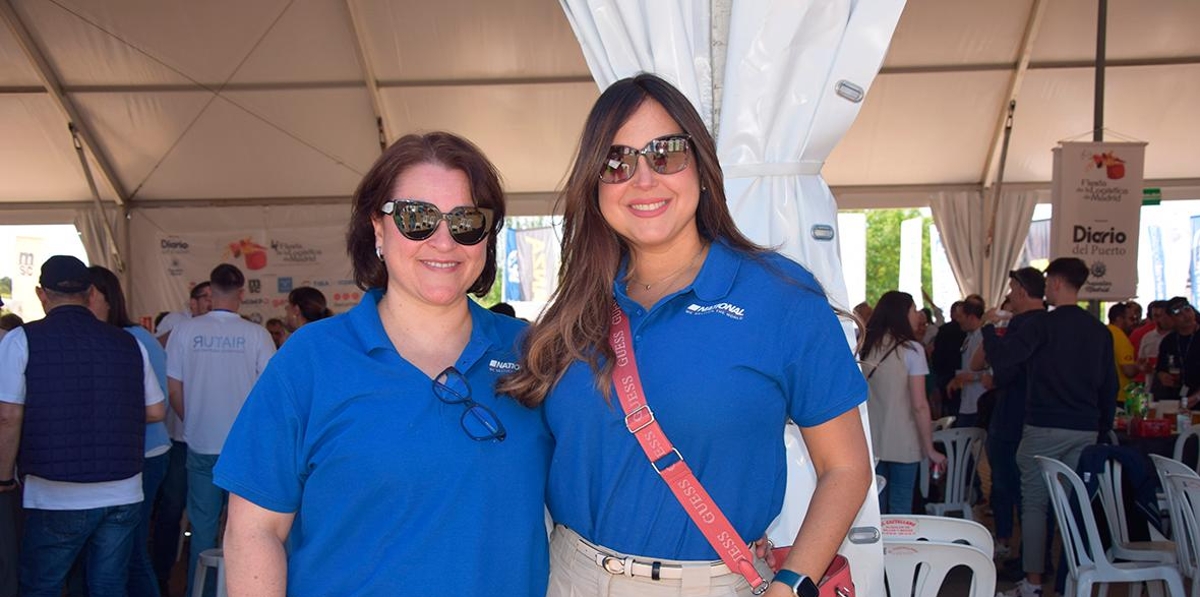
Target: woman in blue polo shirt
{"points": [[731, 341], [373, 456]]}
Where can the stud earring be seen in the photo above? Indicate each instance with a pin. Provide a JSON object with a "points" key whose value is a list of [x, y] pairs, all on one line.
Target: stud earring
{"points": [[379, 252]]}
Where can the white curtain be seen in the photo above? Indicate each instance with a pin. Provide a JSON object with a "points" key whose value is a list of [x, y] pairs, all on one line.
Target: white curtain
{"points": [[773, 67], [962, 219], [101, 249]]}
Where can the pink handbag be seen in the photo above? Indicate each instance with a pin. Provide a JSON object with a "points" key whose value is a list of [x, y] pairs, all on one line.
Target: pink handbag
{"points": [[641, 422]]}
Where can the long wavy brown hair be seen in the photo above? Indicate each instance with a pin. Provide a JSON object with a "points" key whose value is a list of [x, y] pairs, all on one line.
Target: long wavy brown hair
{"points": [[574, 326]]}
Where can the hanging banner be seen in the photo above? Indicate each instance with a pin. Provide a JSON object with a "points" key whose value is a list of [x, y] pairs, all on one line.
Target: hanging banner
{"points": [[1097, 196], [1158, 262], [538, 255], [512, 267], [31, 254], [1194, 262], [278, 249]]}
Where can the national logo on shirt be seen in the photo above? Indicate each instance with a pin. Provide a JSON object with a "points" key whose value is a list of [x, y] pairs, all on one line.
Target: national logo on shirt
{"points": [[496, 366], [729, 310]]}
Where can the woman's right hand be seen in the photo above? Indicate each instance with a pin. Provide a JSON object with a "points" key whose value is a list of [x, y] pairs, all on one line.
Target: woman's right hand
{"points": [[935, 457]]}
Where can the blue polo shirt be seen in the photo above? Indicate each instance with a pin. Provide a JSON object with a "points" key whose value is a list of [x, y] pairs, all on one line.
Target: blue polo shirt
{"points": [[391, 497], [724, 363]]}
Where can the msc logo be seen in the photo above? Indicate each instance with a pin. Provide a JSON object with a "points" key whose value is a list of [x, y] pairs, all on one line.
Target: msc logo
{"points": [[729, 310]]}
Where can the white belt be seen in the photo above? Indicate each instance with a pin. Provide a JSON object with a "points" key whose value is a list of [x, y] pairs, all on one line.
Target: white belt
{"points": [[628, 566]]}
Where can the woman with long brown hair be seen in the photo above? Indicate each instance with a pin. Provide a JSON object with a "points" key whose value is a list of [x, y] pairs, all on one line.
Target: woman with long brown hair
{"points": [[731, 341]]}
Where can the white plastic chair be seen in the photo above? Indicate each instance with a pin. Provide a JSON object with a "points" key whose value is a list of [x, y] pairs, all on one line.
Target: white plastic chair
{"points": [[1168, 466], [943, 423], [918, 568], [209, 558], [963, 449], [1112, 498], [1185, 512], [1087, 564], [1182, 440], [938, 529]]}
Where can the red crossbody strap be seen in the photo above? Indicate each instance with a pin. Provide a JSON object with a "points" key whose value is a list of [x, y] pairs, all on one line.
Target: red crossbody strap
{"points": [[669, 463]]}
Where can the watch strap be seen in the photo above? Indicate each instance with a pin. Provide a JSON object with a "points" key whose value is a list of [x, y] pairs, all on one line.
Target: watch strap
{"points": [[800, 584]]}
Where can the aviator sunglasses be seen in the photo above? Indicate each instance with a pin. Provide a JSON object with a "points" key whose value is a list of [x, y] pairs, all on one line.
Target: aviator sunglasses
{"points": [[665, 155], [417, 220]]}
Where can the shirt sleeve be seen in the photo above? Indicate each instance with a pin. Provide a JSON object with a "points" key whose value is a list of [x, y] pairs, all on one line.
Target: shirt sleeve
{"points": [[263, 460], [914, 359], [175, 356], [14, 354], [154, 393], [267, 351], [822, 381]]}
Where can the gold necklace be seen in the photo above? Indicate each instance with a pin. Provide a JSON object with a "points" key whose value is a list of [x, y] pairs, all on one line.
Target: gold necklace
{"points": [[672, 275]]}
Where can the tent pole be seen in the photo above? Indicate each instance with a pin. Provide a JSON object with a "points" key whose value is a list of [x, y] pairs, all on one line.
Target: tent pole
{"points": [[1098, 106]]}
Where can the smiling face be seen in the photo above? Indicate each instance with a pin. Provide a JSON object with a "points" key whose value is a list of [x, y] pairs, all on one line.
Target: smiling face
{"points": [[435, 271], [652, 211]]}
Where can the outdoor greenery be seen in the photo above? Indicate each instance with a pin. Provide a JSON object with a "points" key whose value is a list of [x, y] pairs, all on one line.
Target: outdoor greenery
{"points": [[6, 286], [883, 251]]}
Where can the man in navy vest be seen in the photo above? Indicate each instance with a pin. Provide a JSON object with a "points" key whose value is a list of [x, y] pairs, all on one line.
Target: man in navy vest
{"points": [[75, 397]]}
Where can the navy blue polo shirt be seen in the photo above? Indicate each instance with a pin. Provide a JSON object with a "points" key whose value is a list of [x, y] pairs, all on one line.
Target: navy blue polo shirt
{"points": [[724, 363], [391, 497]]}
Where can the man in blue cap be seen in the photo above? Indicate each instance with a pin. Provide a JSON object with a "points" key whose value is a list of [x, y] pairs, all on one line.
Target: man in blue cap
{"points": [[75, 396]]}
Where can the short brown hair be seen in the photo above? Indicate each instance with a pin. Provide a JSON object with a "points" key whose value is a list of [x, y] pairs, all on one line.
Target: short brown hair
{"points": [[441, 148]]}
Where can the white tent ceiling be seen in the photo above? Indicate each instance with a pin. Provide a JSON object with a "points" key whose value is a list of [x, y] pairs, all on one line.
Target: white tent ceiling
{"points": [[269, 100]]}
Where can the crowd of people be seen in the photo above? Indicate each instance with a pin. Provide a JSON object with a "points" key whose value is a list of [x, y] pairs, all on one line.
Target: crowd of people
{"points": [[1040, 374]]}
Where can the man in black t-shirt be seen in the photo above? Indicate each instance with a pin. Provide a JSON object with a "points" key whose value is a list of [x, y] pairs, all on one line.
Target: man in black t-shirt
{"points": [[1177, 365]]}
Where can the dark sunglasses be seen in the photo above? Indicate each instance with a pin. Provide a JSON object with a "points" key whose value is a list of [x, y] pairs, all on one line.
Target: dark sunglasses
{"points": [[478, 421], [665, 155], [418, 220]]}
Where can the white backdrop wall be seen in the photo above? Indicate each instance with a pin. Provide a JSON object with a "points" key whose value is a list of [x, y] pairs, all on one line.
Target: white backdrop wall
{"points": [[277, 247]]}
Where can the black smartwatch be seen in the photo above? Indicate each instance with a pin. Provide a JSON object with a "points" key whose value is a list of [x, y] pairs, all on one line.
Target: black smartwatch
{"points": [[9, 483], [800, 584]]}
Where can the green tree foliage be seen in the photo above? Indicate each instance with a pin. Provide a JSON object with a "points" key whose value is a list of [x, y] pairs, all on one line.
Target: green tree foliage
{"points": [[6, 286], [883, 251]]}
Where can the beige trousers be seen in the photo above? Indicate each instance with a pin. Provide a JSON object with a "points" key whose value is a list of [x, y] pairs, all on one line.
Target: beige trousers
{"points": [[573, 574]]}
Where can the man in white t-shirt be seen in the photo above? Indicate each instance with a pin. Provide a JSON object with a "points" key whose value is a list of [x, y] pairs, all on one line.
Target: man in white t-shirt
{"points": [[973, 383], [213, 361], [199, 303], [83, 472]]}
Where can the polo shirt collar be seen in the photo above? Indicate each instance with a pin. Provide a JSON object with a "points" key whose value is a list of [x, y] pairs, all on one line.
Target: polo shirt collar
{"points": [[364, 319]]}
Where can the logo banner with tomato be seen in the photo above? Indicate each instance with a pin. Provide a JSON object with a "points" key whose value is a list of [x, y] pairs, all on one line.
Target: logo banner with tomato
{"points": [[1097, 198]]}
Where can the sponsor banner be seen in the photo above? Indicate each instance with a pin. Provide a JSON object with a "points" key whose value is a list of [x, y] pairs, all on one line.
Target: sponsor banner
{"points": [[511, 290], [538, 256], [1097, 195], [1158, 261], [30, 254], [1194, 261], [274, 262]]}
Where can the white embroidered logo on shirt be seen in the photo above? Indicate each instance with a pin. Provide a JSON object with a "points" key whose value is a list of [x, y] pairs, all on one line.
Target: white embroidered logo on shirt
{"points": [[502, 366], [729, 310]]}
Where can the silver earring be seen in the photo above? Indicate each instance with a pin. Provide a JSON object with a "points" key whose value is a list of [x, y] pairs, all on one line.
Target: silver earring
{"points": [[379, 252]]}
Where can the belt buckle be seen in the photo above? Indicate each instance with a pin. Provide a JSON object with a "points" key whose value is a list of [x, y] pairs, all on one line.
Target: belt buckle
{"points": [[613, 565]]}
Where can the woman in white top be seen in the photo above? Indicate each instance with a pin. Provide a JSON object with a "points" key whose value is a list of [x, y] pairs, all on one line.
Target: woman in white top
{"points": [[894, 363]]}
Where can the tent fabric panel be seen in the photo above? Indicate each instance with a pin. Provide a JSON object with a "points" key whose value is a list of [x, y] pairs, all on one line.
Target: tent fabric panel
{"points": [[136, 129], [920, 129], [1162, 28], [37, 159], [940, 32], [1155, 104], [231, 153], [15, 68], [203, 41], [529, 131], [313, 42], [464, 39]]}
